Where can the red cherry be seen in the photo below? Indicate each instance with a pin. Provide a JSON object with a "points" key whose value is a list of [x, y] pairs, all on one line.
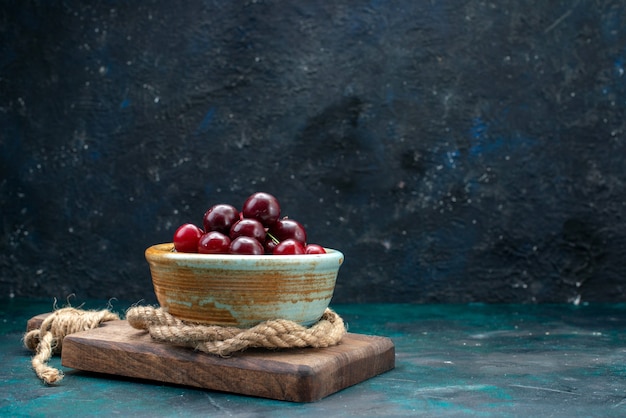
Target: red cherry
{"points": [[213, 242], [249, 228], [269, 245], [220, 218], [314, 249], [263, 207], [289, 247], [243, 245], [186, 238], [288, 229]]}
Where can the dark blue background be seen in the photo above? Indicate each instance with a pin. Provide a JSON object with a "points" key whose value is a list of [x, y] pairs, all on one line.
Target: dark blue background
{"points": [[453, 150]]}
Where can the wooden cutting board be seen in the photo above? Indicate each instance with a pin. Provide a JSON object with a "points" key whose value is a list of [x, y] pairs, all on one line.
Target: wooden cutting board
{"points": [[298, 375]]}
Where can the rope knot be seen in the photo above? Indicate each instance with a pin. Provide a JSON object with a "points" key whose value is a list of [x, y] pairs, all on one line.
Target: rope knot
{"points": [[48, 338], [224, 341]]}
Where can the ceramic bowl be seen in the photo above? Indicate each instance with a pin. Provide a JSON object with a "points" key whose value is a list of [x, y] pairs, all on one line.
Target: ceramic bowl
{"points": [[243, 290]]}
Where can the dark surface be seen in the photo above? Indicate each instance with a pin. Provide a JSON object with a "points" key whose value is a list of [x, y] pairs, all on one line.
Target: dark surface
{"points": [[454, 151], [451, 360]]}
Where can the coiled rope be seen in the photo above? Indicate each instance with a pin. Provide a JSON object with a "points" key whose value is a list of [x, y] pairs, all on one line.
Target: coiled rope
{"points": [[224, 341], [48, 338], [162, 326]]}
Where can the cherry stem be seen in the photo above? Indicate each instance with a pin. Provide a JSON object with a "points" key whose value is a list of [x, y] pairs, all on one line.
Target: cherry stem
{"points": [[273, 238]]}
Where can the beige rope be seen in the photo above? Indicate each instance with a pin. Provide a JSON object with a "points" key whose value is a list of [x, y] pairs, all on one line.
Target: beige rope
{"points": [[48, 339], [224, 341]]}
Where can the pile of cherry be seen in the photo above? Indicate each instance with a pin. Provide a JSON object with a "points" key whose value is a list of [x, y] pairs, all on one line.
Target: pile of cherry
{"points": [[255, 230]]}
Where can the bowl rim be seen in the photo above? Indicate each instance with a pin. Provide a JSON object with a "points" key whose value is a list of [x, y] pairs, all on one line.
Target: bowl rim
{"points": [[166, 250]]}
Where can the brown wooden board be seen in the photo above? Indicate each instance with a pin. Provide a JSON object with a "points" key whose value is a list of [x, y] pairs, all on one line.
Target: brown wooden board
{"points": [[298, 375]]}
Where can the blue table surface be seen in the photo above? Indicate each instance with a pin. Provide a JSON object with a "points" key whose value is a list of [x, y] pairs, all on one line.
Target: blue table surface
{"points": [[451, 360]]}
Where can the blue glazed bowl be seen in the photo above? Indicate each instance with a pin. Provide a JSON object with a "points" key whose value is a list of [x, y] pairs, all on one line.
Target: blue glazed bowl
{"points": [[243, 290]]}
